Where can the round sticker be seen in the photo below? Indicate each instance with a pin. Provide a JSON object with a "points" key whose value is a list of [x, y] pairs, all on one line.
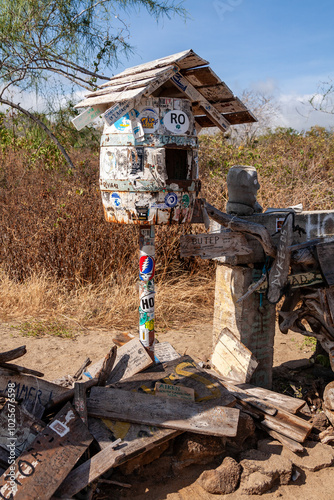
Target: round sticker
{"points": [[146, 268], [149, 120], [171, 200], [116, 200], [185, 200], [176, 121]]}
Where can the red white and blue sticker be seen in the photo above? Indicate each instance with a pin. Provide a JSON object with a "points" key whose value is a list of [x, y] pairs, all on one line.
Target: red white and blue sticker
{"points": [[146, 268], [171, 200]]}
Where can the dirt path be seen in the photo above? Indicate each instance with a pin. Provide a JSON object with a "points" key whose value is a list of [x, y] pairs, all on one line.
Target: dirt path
{"points": [[58, 356]]}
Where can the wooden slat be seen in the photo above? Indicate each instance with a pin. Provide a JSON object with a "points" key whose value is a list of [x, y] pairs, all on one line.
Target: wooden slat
{"points": [[185, 59], [120, 87], [201, 76], [29, 387], [136, 78], [211, 245], [232, 358], [216, 93], [212, 418], [42, 468], [111, 97], [240, 117], [88, 116]]}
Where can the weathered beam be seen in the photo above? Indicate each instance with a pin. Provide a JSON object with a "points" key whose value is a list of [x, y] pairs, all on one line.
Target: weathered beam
{"points": [[13, 354]]}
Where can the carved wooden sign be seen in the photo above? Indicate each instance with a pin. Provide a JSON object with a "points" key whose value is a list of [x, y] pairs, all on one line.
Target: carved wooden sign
{"points": [[211, 245]]}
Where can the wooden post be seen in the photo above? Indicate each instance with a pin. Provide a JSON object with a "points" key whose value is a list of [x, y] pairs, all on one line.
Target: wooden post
{"points": [[146, 287], [252, 321]]}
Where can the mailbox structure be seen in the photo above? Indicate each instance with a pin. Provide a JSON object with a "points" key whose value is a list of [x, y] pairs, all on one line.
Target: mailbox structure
{"points": [[149, 150]]}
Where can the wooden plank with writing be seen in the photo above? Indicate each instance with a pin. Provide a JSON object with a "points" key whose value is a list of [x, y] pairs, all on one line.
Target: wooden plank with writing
{"points": [[212, 418], [174, 391], [29, 387], [209, 246], [131, 358], [50, 457], [232, 358], [80, 400], [164, 351], [278, 274], [325, 252], [19, 427], [88, 116]]}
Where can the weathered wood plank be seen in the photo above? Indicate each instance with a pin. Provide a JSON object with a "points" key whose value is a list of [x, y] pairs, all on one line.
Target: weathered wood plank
{"points": [[183, 371], [29, 387], [136, 78], [21, 369], [13, 354], [41, 469], [211, 245], [80, 401], [112, 97], [131, 358], [278, 274], [325, 254], [200, 77], [88, 116], [174, 391], [212, 418], [232, 358]]}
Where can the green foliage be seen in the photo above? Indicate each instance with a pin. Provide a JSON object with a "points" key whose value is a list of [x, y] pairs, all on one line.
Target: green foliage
{"points": [[37, 328]]}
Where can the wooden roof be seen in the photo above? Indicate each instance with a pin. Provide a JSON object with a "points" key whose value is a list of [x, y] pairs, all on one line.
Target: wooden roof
{"points": [[183, 75]]}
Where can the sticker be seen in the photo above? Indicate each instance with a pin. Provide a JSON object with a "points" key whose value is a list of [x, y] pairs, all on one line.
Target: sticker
{"points": [[171, 200], [147, 302], [149, 120], [123, 125], [176, 121], [59, 428], [159, 205], [146, 268], [142, 213], [143, 317], [150, 325], [177, 80], [116, 200], [279, 223], [185, 200]]}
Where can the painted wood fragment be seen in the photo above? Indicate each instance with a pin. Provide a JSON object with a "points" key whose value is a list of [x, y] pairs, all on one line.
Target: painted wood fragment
{"points": [[232, 358], [87, 116], [38, 472], [211, 245], [278, 274], [164, 351], [212, 418], [325, 254], [21, 369], [80, 401], [131, 358], [29, 387]]}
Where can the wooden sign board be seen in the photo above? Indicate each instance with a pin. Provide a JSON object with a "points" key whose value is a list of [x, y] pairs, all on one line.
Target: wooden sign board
{"points": [[164, 351], [29, 387], [232, 358], [26, 427], [278, 274], [87, 116], [325, 252], [174, 391], [131, 358], [39, 471], [211, 245], [213, 419]]}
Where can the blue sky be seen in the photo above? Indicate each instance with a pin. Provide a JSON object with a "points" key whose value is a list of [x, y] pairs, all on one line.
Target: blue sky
{"points": [[282, 48]]}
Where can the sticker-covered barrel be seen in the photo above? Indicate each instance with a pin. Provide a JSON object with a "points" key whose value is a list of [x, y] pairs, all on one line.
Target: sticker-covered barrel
{"points": [[149, 164]]}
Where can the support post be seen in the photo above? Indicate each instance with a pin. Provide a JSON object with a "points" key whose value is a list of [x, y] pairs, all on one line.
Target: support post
{"points": [[146, 287], [252, 321]]}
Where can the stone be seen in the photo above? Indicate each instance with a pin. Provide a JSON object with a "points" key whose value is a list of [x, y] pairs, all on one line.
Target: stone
{"points": [[329, 396], [196, 449], [316, 456], [275, 466], [320, 422], [223, 480], [256, 484]]}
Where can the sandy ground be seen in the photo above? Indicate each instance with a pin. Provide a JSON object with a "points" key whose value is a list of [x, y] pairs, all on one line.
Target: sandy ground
{"points": [[56, 357]]}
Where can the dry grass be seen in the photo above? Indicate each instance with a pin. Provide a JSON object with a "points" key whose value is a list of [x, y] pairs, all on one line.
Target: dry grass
{"points": [[108, 304]]}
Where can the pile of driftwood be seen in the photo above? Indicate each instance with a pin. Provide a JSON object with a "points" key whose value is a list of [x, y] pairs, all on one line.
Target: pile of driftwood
{"points": [[59, 437]]}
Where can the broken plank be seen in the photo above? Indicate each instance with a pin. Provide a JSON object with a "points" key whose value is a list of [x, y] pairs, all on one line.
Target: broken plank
{"points": [[284, 440], [88, 116], [212, 418], [50, 457], [18, 427], [21, 369], [12, 354], [131, 358], [211, 245], [143, 439], [232, 358], [29, 387], [288, 424]]}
